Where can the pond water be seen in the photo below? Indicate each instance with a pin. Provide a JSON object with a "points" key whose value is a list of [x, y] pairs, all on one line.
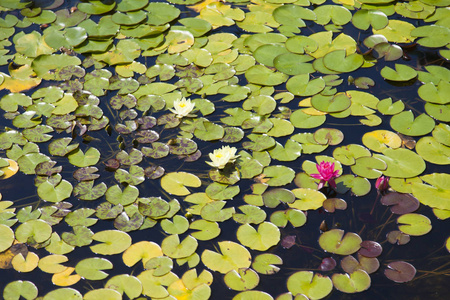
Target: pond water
{"points": [[290, 84]]}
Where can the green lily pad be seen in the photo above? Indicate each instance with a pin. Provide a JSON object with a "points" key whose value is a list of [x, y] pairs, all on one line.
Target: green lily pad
{"points": [[328, 136], [19, 288], [172, 247], [437, 94], [7, 237], [433, 151], [290, 152], [115, 195], [207, 230], [278, 175], [347, 155], [301, 85], [397, 31], [233, 256], [252, 295], [432, 36], [302, 120], [364, 18], [215, 212], [264, 76], [113, 242], [179, 225], [405, 123], [267, 263], [331, 104], [312, 285], [161, 264], [11, 101], [339, 15], [265, 54], [129, 18], [96, 7], [51, 193], [250, 215], [273, 197], [81, 160], [47, 66], [386, 107], [32, 231], [102, 293], [209, 132], [369, 167], [355, 282], [66, 293], [154, 286], [334, 241], [341, 62], [241, 279], [307, 199], [296, 217], [293, 15], [92, 268], [401, 163], [401, 73], [266, 236], [439, 112], [259, 142], [261, 104], [441, 134], [387, 51], [414, 224], [175, 183]]}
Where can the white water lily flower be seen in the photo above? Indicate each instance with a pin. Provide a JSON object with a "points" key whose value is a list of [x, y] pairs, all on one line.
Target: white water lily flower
{"points": [[220, 157], [182, 107]]}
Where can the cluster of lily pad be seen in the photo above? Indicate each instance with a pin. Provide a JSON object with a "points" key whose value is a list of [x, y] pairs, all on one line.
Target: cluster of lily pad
{"points": [[163, 83]]}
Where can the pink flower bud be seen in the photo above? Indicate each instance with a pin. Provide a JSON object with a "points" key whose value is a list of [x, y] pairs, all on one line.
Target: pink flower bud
{"points": [[382, 183]]}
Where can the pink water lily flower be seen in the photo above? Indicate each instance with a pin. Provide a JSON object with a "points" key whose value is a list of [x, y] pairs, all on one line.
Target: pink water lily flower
{"points": [[327, 173]]}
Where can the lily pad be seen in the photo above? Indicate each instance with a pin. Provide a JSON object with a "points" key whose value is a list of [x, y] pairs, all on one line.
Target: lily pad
{"points": [[232, 257], [401, 163], [334, 241], [92, 268], [113, 242], [176, 182], [355, 282], [400, 271], [19, 288], [414, 224], [7, 237], [401, 73], [241, 279], [266, 236], [312, 285], [401, 203]]}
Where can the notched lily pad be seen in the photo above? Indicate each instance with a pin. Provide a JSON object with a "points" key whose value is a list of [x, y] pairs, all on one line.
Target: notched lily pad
{"points": [[400, 271], [400, 203], [334, 241]]}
